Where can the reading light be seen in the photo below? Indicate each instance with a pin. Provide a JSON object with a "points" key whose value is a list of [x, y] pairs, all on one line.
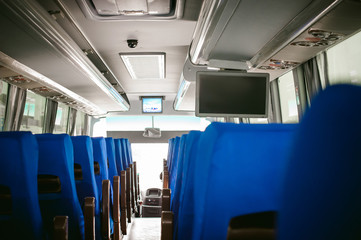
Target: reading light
{"points": [[144, 65]]}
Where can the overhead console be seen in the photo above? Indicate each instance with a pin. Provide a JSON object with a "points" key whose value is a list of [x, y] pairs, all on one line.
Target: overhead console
{"points": [[36, 37], [266, 36]]}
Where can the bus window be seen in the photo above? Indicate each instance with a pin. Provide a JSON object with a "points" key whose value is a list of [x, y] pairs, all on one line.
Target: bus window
{"points": [[33, 118], [258, 120], [3, 99], [61, 120], [287, 93], [344, 61]]}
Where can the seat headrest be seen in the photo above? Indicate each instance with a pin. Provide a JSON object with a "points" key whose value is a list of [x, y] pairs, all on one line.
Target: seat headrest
{"points": [[322, 192]]}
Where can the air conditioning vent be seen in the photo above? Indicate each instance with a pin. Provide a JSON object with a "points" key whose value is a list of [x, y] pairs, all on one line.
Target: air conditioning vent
{"points": [[320, 38]]}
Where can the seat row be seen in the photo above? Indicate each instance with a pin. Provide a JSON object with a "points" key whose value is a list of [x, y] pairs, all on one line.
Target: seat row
{"points": [[244, 181], [47, 175]]}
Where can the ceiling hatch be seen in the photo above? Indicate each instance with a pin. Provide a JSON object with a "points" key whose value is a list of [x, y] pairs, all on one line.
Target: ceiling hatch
{"points": [[144, 66], [133, 7]]}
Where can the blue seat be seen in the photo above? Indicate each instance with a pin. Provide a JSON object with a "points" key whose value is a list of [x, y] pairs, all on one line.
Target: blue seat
{"points": [[56, 163], [175, 179], [323, 183], [124, 152], [100, 161], [129, 150], [239, 169], [170, 149], [112, 170], [86, 185], [20, 216], [119, 155], [174, 160], [100, 158], [184, 224]]}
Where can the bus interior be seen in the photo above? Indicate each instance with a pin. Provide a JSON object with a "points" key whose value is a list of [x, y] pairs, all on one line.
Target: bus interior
{"points": [[180, 119]]}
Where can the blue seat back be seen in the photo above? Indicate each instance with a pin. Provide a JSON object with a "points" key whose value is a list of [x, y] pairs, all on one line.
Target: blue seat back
{"points": [[175, 179], [129, 150], [87, 185], [169, 155], [56, 158], [322, 187], [112, 170], [239, 169], [184, 209], [124, 151], [100, 157], [118, 155], [174, 158], [18, 177], [83, 155]]}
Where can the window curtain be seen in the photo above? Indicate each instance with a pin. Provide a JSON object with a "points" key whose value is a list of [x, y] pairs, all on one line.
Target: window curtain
{"points": [[72, 121], [15, 108], [50, 116], [270, 117], [87, 121], [311, 75], [322, 64], [275, 103]]}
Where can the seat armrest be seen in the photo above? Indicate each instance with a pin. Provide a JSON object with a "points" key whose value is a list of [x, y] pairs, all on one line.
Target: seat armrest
{"points": [[116, 208], [166, 199], [89, 218], [105, 222], [128, 195], [167, 225], [123, 203], [165, 178], [60, 228]]}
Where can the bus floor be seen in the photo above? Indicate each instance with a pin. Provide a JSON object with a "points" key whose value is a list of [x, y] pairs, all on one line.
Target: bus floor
{"points": [[144, 229]]}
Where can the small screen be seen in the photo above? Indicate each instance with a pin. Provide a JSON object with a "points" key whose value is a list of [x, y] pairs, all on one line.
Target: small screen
{"points": [[232, 94], [152, 105]]}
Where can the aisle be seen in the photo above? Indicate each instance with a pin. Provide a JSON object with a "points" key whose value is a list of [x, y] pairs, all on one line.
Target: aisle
{"points": [[144, 229]]}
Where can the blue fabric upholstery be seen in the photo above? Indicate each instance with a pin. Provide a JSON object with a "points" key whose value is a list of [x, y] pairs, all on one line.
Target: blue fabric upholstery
{"points": [[56, 158], [18, 172], [174, 160], [87, 187], [239, 168], [83, 155], [129, 151], [118, 155], [175, 179], [112, 170], [100, 156], [170, 149], [124, 151], [184, 211], [322, 197]]}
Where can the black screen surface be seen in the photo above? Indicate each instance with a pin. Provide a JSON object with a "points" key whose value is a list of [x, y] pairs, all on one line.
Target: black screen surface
{"points": [[232, 94]]}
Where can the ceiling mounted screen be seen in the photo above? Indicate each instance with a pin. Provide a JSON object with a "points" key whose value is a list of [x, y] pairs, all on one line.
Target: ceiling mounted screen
{"points": [[152, 104], [233, 94], [145, 65]]}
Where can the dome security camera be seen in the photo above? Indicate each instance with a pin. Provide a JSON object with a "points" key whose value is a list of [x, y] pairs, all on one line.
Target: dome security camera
{"points": [[132, 43]]}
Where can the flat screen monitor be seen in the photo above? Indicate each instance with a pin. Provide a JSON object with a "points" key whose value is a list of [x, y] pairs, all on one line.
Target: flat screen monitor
{"points": [[152, 104], [232, 94]]}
